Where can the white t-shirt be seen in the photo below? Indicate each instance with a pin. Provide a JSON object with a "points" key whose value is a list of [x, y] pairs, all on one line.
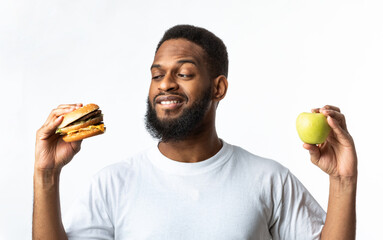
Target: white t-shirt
{"points": [[232, 195]]}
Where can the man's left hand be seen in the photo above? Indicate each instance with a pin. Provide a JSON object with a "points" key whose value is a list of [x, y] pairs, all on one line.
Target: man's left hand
{"points": [[337, 155]]}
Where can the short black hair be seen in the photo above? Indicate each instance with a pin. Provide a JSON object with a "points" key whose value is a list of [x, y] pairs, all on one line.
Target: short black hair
{"points": [[217, 58]]}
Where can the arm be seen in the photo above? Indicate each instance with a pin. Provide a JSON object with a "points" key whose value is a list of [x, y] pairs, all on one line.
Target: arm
{"points": [[341, 217], [46, 206], [51, 154], [337, 157]]}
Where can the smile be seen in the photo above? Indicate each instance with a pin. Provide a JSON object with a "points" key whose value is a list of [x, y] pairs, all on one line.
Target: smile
{"points": [[169, 102], [170, 105]]}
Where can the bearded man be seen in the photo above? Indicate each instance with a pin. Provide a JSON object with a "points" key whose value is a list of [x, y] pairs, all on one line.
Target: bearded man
{"points": [[194, 185]]}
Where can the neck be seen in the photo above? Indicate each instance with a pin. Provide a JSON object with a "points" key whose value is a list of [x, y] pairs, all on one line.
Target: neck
{"points": [[196, 148]]}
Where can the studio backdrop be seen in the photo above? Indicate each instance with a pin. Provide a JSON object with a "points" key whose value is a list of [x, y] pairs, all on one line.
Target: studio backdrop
{"points": [[285, 57]]}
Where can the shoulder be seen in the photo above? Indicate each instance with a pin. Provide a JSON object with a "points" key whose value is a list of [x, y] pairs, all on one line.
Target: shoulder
{"points": [[122, 171], [257, 163], [259, 172]]}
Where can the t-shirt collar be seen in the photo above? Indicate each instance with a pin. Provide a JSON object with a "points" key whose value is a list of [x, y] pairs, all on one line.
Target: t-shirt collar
{"points": [[181, 168]]}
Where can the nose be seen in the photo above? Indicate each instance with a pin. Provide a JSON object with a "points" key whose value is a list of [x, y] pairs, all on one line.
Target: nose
{"points": [[168, 83]]}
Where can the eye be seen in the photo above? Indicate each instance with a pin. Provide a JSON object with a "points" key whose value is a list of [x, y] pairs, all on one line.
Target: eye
{"points": [[156, 77], [184, 75]]}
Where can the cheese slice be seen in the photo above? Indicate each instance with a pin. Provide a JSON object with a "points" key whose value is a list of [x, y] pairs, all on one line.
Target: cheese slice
{"points": [[100, 127]]}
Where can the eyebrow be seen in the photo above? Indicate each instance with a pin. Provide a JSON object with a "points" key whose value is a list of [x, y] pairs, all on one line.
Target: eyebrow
{"points": [[179, 62], [155, 66]]}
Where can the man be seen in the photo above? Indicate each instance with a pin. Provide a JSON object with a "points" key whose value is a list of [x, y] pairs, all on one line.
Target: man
{"points": [[194, 185]]}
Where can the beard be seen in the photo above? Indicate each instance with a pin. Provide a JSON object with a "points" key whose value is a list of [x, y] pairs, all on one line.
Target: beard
{"points": [[178, 129]]}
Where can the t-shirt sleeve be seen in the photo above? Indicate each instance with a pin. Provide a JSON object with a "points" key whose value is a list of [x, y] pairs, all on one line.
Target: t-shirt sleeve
{"points": [[89, 217], [297, 215]]}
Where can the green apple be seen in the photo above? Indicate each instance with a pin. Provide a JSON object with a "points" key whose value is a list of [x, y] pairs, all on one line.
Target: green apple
{"points": [[312, 127]]}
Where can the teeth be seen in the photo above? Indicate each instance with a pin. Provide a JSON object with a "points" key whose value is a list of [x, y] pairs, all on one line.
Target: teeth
{"points": [[170, 102]]}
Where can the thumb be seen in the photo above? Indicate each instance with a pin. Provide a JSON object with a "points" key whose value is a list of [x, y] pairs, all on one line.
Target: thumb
{"points": [[314, 152]]}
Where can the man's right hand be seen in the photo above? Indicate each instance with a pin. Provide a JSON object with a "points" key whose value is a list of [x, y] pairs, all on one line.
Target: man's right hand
{"points": [[51, 152]]}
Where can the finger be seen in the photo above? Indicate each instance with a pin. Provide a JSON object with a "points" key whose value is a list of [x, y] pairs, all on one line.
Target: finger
{"points": [[71, 107], [75, 105], [339, 117], [330, 107], [55, 113], [48, 130], [340, 133], [315, 110], [314, 152], [67, 107], [76, 146]]}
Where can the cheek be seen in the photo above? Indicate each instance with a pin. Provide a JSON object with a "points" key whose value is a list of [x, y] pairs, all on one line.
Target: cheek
{"points": [[196, 91], [152, 92]]}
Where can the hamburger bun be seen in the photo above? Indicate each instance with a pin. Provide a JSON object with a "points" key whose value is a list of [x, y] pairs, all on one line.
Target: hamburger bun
{"points": [[90, 132], [82, 123], [77, 114]]}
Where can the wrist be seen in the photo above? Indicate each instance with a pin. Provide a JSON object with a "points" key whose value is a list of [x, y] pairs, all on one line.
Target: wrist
{"points": [[46, 178], [344, 179], [343, 185]]}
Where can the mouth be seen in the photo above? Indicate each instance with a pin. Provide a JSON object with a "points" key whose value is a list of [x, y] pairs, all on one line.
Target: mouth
{"points": [[169, 101]]}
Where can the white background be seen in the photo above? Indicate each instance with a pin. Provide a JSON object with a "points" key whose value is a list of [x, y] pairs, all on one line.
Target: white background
{"points": [[286, 57]]}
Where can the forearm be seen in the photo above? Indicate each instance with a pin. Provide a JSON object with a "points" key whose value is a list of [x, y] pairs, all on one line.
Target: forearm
{"points": [[341, 214], [47, 222]]}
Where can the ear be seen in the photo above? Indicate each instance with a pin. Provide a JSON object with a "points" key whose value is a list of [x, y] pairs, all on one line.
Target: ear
{"points": [[220, 85]]}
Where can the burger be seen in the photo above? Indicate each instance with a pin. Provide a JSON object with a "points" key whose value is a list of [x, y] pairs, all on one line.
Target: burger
{"points": [[82, 123]]}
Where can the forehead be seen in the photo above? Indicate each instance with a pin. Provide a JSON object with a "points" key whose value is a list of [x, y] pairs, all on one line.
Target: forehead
{"points": [[176, 49]]}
